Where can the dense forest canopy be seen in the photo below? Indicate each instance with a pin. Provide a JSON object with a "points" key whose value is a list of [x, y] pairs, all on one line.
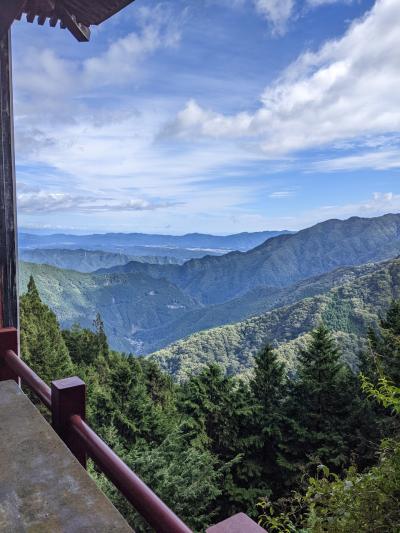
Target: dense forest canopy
{"points": [[315, 449]]}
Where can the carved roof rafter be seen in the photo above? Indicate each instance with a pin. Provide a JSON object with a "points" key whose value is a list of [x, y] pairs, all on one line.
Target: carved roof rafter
{"points": [[75, 15]]}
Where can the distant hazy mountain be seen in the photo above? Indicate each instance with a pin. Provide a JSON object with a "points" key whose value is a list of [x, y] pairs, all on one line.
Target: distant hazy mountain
{"points": [[348, 309], [147, 306], [196, 243], [86, 260], [283, 260]]}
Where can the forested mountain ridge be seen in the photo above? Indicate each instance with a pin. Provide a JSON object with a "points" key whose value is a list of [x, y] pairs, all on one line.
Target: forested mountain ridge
{"points": [[348, 309], [128, 303], [160, 304], [283, 260], [143, 314], [87, 260], [255, 302]]}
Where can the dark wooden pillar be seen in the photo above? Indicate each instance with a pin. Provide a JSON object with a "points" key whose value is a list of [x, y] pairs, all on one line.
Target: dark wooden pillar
{"points": [[8, 216], [68, 398]]}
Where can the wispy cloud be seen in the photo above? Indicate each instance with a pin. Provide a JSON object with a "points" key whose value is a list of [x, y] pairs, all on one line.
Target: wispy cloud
{"points": [[56, 202], [346, 90], [277, 13], [103, 130], [119, 63], [379, 204], [43, 75], [282, 194], [317, 3], [378, 160]]}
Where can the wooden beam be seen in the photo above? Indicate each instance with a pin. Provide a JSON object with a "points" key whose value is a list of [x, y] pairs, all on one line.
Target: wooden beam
{"points": [[10, 9], [8, 216], [78, 30]]}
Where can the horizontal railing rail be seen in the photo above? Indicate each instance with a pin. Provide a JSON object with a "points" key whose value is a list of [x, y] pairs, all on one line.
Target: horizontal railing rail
{"points": [[28, 376], [66, 401], [132, 487]]}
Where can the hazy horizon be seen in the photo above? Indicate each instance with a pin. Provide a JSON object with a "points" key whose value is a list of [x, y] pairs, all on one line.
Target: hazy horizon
{"points": [[69, 231]]}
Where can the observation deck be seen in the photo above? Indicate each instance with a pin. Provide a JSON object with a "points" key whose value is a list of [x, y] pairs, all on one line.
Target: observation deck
{"points": [[43, 487]]}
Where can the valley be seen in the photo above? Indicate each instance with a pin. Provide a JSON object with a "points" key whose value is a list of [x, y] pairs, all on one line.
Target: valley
{"points": [[356, 301], [237, 301]]}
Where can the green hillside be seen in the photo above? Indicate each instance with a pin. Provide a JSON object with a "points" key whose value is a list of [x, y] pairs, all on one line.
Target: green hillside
{"points": [[144, 314], [215, 445], [348, 309], [127, 302], [146, 307], [255, 302], [283, 260], [87, 260]]}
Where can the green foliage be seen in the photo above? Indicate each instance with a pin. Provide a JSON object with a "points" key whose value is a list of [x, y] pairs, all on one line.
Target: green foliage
{"points": [[129, 303], [363, 502], [216, 412], [349, 301], [187, 477], [385, 343], [269, 390], [42, 345], [351, 500], [384, 392], [319, 407], [215, 444]]}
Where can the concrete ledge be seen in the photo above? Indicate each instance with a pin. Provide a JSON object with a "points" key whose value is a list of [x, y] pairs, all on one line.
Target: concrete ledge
{"points": [[43, 488]]}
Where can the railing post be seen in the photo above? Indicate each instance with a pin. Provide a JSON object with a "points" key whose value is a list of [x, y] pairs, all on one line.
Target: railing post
{"points": [[68, 398], [236, 524], [8, 341]]}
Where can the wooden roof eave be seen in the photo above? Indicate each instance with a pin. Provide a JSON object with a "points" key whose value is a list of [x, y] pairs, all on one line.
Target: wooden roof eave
{"points": [[75, 15]]}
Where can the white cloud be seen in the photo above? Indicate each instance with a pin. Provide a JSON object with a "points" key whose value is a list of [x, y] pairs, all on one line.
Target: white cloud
{"points": [[317, 3], [55, 202], [379, 204], [346, 90], [277, 12], [282, 194], [378, 160], [43, 73], [118, 65], [99, 149]]}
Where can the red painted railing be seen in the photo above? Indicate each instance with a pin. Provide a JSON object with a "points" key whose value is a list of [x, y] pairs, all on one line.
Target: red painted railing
{"points": [[66, 400]]}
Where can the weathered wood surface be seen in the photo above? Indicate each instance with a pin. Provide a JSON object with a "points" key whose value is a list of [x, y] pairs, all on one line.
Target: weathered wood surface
{"points": [[43, 488], [8, 217], [9, 10]]}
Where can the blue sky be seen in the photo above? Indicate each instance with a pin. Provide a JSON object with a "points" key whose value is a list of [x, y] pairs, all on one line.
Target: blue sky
{"points": [[215, 116]]}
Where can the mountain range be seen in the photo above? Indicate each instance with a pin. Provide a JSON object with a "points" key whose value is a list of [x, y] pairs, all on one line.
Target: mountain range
{"points": [[146, 307], [358, 297], [281, 261], [180, 247], [88, 260]]}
